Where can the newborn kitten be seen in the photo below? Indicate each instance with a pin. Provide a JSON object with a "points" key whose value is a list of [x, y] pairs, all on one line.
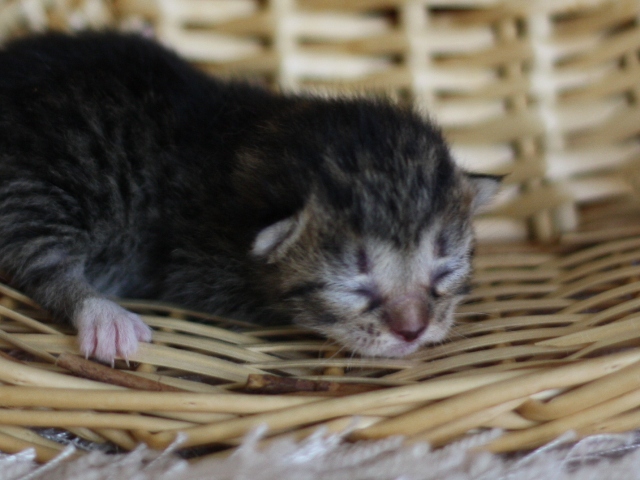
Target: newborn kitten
{"points": [[124, 171]]}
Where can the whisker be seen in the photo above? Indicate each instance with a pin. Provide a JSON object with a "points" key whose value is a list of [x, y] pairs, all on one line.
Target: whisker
{"points": [[330, 342], [460, 314], [349, 360], [337, 352], [455, 334]]}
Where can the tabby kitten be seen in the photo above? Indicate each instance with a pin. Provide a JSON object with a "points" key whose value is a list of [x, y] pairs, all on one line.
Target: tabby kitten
{"points": [[126, 172]]}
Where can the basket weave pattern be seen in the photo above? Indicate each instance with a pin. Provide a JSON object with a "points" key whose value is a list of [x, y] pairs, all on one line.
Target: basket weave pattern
{"points": [[546, 343], [548, 340]]}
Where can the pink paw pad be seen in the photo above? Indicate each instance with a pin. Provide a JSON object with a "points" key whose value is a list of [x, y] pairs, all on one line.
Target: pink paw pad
{"points": [[106, 330]]}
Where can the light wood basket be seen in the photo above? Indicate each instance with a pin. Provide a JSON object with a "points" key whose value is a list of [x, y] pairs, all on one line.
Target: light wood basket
{"points": [[549, 340]]}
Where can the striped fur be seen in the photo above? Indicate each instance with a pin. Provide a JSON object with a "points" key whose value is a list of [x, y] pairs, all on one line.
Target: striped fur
{"points": [[126, 172]]}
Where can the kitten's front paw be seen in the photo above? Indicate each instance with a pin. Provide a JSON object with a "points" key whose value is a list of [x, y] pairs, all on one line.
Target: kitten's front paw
{"points": [[106, 330]]}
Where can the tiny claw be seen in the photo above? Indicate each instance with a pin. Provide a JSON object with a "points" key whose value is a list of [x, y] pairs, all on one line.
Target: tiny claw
{"points": [[106, 330]]}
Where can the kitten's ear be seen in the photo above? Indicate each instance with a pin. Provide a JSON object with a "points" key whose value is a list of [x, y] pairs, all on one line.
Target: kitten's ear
{"points": [[273, 241], [484, 188]]}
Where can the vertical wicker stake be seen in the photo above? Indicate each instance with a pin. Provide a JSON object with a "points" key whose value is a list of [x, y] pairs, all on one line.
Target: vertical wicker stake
{"points": [[544, 85], [284, 42], [35, 15], [414, 16], [507, 32]]}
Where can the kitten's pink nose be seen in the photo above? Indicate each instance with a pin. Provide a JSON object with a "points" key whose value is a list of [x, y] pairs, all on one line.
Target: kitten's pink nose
{"points": [[407, 316], [409, 335]]}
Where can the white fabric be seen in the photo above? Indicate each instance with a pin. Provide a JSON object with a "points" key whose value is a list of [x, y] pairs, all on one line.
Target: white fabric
{"points": [[328, 457]]}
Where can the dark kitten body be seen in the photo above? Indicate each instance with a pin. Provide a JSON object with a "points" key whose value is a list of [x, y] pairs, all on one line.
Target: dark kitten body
{"points": [[124, 171]]}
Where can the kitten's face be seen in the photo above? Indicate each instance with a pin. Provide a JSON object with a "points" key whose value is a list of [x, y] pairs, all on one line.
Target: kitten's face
{"points": [[379, 300], [371, 294]]}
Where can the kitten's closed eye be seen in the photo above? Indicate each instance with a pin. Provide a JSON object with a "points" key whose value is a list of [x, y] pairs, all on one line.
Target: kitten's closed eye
{"points": [[441, 275], [441, 246], [442, 281], [372, 296], [302, 290], [364, 264]]}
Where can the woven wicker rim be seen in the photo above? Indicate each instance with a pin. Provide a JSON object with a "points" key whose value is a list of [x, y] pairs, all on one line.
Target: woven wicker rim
{"points": [[549, 341]]}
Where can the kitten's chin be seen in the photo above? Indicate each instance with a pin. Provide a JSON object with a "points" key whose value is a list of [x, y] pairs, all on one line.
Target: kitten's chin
{"points": [[398, 351], [391, 349]]}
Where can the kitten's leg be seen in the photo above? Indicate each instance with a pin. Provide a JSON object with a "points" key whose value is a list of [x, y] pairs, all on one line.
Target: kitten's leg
{"points": [[44, 253], [105, 329]]}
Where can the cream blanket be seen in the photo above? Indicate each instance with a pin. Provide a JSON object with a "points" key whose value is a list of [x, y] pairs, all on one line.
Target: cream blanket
{"points": [[327, 457]]}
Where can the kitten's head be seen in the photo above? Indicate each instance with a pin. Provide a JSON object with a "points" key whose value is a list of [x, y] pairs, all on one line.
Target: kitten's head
{"points": [[380, 254]]}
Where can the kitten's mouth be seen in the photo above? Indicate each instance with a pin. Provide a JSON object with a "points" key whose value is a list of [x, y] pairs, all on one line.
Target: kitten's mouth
{"points": [[378, 340]]}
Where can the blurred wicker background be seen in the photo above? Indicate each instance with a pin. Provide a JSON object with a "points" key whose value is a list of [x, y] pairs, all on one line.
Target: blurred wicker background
{"points": [[549, 340], [546, 90]]}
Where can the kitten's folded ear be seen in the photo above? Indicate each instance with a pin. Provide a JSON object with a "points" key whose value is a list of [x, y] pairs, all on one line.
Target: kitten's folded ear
{"points": [[484, 188], [273, 241]]}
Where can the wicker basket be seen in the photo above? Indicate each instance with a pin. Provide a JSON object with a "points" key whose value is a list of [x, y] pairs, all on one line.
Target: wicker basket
{"points": [[549, 340]]}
